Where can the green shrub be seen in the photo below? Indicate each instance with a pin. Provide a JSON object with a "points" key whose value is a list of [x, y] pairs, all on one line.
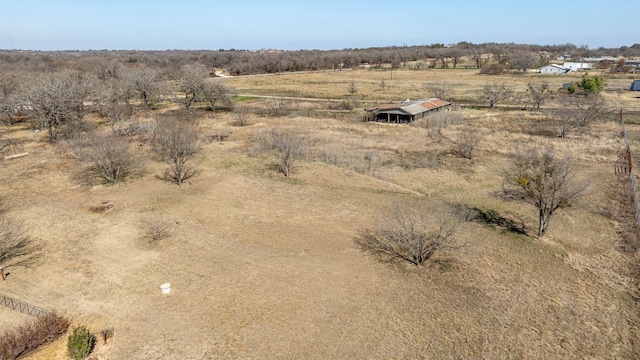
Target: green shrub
{"points": [[80, 343], [591, 84]]}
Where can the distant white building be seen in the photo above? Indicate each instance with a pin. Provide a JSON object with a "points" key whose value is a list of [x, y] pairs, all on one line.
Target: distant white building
{"points": [[553, 69], [579, 66], [599, 59]]}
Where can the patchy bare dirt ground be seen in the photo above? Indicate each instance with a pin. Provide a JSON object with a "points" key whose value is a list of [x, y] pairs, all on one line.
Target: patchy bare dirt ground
{"points": [[266, 267]]}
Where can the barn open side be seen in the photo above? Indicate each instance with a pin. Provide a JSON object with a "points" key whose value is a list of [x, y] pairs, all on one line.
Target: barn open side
{"points": [[407, 111]]}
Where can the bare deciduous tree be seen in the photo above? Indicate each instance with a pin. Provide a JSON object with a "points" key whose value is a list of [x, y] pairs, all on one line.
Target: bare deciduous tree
{"points": [[538, 93], [441, 90], [104, 68], [143, 82], [493, 69], [353, 88], [543, 180], [59, 99], [192, 83], [16, 247], [414, 233], [455, 56], [480, 59], [8, 84], [176, 142], [8, 143], [275, 106], [241, 116], [367, 163], [111, 93], [442, 55], [523, 60], [8, 87], [122, 120], [494, 93], [466, 142], [578, 111], [288, 147], [441, 119], [155, 228], [217, 93], [109, 156]]}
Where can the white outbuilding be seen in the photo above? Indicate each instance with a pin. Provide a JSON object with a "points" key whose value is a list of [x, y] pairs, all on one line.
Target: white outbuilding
{"points": [[553, 69], [579, 66]]}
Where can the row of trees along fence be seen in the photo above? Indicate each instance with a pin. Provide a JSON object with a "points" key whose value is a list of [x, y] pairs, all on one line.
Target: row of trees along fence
{"points": [[627, 161], [22, 306]]}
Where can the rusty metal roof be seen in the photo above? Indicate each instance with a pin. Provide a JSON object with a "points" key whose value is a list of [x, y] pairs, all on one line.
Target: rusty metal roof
{"points": [[434, 103], [412, 107]]}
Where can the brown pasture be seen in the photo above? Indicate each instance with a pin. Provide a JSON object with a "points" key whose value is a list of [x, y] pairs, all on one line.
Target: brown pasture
{"points": [[266, 267]]}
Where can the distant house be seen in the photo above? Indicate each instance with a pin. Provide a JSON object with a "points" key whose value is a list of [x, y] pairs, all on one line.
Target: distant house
{"points": [[635, 85], [408, 111], [579, 66], [553, 69]]}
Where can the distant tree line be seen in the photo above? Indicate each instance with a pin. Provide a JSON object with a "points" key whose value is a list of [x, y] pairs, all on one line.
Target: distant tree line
{"points": [[517, 57]]}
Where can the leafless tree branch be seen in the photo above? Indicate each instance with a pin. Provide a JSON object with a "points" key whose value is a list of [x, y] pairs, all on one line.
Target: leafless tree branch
{"points": [[16, 247], [177, 142], [415, 232]]}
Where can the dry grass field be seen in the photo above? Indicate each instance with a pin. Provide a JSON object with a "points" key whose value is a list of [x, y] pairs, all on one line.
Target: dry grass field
{"points": [[265, 267], [400, 84]]}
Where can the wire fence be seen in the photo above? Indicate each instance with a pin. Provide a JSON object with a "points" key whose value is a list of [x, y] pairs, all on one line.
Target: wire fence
{"points": [[22, 306], [629, 167]]}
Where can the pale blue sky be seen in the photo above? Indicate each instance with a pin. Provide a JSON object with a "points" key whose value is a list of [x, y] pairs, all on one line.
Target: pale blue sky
{"points": [[328, 24]]}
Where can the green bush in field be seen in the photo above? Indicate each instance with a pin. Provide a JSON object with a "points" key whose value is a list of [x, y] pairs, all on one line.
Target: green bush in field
{"points": [[80, 343], [591, 84]]}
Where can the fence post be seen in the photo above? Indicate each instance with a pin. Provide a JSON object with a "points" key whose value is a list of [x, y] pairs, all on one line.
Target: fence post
{"points": [[632, 177], [626, 143]]}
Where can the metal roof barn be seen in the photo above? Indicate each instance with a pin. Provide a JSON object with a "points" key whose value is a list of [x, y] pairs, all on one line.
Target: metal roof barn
{"points": [[408, 111]]}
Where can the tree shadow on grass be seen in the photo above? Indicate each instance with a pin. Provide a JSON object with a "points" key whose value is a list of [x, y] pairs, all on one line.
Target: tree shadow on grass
{"points": [[445, 264], [507, 221]]}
